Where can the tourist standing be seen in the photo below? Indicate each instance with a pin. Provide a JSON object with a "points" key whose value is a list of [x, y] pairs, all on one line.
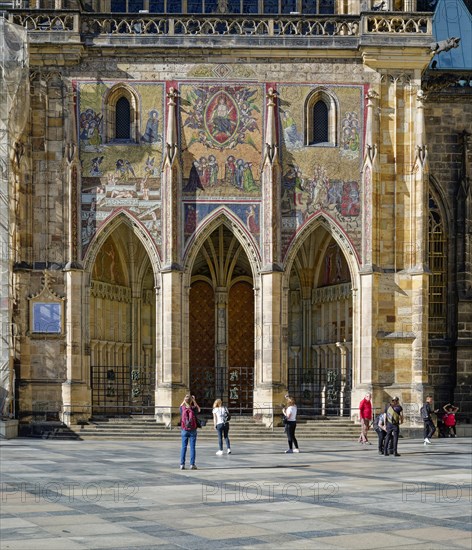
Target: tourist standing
{"points": [[290, 413], [221, 418], [449, 420], [429, 427], [188, 423], [380, 426], [365, 415], [394, 419]]}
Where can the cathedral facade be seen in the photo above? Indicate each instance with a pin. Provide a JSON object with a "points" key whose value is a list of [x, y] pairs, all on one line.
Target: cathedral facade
{"points": [[241, 199]]}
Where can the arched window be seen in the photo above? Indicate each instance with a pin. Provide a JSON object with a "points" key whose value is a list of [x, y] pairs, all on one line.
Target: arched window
{"points": [[320, 123], [122, 119], [437, 259], [321, 119], [121, 114]]}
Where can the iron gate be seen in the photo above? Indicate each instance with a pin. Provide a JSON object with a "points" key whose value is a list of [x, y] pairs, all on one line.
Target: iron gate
{"points": [[122, 390], [234, 386], [320, 392]]}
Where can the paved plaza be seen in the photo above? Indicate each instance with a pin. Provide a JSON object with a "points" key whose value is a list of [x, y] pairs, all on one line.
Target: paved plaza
{"points": [[73, 495]]}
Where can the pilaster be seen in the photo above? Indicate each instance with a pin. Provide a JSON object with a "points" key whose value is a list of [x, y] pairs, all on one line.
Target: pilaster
{"points": [[271, 382], [172, 382], [76, 391]]}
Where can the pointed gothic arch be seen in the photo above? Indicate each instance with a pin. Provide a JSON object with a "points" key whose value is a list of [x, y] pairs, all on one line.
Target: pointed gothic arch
{"points": [[320, 277], [123, 317], [220, 279], [222, 216], [114, 221]]}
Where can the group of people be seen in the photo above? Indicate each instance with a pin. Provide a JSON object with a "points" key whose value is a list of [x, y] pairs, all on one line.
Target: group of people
{"points": [[189, 423], [387, 423]]}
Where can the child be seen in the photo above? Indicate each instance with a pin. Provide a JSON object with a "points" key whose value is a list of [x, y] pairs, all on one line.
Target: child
{"points": [[449, 420]]}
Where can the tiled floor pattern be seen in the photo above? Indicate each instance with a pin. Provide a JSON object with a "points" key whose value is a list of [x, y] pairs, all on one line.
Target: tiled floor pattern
{"points": [[83, 495]]}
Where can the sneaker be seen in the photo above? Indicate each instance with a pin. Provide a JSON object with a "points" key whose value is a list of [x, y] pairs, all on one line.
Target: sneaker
{"points": [[427, 441], [193, 467], [296, 450], [229, 451], [288, 451], [182, 467], [219, 453]]}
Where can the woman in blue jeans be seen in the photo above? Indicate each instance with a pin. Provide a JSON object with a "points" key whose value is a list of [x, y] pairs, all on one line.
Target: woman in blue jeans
{"points": [[221, 426], [188, 422]]}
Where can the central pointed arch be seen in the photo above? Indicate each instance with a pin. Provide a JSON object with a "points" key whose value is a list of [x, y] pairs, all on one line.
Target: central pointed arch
{"points": [[220, 272]]}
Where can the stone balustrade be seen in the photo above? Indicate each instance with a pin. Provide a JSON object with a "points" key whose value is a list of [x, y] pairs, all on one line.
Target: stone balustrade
{"points": [[93, 25]]}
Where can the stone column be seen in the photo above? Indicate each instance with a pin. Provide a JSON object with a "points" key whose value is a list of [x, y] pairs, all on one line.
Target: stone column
{"points": [[221, 371], [171, 381], [270, 380]]}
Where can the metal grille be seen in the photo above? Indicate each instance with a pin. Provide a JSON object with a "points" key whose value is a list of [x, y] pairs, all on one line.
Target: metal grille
{"points": [[122, 119], [122, 390], [321, 391], [320, 122], [437, 256], [235, 388], [239, 384]]}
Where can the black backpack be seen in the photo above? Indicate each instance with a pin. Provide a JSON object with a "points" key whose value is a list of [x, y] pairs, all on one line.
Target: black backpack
{"points": [[226, 416]]}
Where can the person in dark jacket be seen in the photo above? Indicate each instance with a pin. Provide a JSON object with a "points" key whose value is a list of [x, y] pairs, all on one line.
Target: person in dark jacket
{"points": [[429, 427], [394, 419]]}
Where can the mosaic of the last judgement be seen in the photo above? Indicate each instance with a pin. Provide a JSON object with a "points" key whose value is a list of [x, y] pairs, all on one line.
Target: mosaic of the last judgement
{"points": [[120, 175], [321, 179]]}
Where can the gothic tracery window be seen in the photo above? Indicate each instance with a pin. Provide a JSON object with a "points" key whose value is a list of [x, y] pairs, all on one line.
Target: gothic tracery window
{"points": [[437, 256]]}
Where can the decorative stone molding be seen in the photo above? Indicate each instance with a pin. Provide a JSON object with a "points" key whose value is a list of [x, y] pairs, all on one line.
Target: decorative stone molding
{"points": [[106, 291], [335, 293]]}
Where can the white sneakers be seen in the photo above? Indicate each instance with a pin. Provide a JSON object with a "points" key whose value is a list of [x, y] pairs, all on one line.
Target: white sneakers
{"points": [[229, 451], [427, 441], [296, 450], [219, 453]]}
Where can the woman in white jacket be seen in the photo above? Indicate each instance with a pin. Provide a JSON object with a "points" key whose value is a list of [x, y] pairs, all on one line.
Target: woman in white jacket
{"points": [[221, 424]]}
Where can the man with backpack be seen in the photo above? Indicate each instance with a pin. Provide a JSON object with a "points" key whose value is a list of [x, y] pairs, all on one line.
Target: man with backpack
{"points": [[394, 419], [429, 427], [188, 423]]}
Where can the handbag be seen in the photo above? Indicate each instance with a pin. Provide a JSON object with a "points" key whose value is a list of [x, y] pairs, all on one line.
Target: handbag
{"points": [[284, 420], [201, 423]]}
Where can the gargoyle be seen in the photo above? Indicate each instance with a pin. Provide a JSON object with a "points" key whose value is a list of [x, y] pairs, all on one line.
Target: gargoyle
{"points": [[445, 45]]}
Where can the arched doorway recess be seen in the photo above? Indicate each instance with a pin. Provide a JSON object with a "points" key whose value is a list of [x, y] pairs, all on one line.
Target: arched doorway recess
{"points": [[320, 327], [221, 323], [122, 326]]}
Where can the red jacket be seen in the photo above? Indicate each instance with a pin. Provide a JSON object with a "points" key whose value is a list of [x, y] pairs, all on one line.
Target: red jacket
{"points": [[365, 409]]}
